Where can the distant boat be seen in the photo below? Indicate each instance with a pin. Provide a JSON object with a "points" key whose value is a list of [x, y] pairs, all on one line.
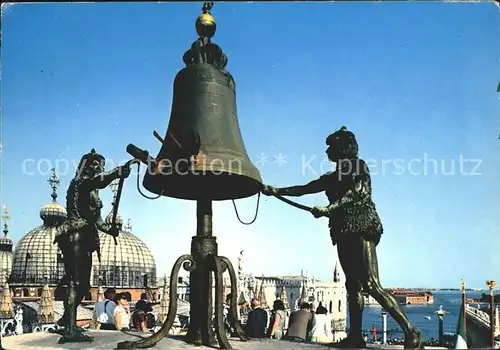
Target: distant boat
{"points": [[427, 317]]}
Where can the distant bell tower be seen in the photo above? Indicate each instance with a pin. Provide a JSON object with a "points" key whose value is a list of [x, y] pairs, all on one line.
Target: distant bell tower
{"points": [[338, 306], [336, 272]]}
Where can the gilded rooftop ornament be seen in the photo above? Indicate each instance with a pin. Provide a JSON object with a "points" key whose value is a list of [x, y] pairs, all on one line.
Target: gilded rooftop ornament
{"points": [[205, 23]]}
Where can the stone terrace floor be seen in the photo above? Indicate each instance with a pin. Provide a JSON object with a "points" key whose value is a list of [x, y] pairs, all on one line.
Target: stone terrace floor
{"points": [[107, 340]]}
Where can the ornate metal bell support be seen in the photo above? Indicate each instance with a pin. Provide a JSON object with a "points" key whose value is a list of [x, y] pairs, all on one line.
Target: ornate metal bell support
{"points": [[201, 263], [187, 138]]}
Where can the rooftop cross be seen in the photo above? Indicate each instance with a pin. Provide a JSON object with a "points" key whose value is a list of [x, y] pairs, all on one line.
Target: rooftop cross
{"points": [[5, 217], [54, 183], [128, 226]]}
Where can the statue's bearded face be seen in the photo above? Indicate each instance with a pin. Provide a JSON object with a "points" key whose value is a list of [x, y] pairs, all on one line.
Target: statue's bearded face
{"points": [[96, 166]]}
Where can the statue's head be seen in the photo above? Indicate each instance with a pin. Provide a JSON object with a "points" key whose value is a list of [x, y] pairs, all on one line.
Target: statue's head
{"points": [[341, 144], [91, 164]]}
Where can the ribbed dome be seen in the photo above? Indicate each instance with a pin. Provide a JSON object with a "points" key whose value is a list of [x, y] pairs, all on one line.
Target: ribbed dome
{"points": [[37, 258], [6, 243], [53, 213], [5, 254], [125, 264]]}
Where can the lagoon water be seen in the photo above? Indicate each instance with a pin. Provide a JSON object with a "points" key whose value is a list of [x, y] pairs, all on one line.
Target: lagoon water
{"points": [[417, 315]]}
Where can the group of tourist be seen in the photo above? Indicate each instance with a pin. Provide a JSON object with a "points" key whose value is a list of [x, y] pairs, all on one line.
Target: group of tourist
{"points": [[113, 313], [304, 325]]}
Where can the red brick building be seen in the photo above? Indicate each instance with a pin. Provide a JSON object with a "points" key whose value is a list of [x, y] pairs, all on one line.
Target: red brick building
{"points": [[413, 298]]}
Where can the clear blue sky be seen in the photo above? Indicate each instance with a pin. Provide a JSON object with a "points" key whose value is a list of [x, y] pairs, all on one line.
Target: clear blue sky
{"points": [[414, 81]]}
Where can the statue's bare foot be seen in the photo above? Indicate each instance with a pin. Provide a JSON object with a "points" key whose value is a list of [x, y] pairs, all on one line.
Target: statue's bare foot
{"points": [[139, 344], [126, 345], [62, 330], [349, 343], [413, 340], [61, 322], [73, 335], [59, 331]]}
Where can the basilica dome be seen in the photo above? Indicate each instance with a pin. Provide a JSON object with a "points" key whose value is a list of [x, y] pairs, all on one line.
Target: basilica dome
{"points": [[128, 264], [37, 260]]}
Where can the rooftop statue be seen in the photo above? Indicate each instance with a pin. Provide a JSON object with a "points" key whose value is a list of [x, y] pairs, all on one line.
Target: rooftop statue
{"points": [[78, 237], [356, 229]]}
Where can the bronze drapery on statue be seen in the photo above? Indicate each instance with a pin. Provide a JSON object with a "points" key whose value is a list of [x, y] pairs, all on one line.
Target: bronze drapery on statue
{"points": [[202, 158], [356, 229]]}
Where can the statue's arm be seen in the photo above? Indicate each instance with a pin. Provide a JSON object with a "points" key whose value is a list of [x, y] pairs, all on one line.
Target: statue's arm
{"points": [[102, 180], [312, 187], [102, 226]]}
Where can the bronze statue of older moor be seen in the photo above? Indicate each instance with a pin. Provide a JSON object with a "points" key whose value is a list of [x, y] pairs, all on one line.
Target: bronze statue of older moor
{"points": [[78, 237], [356, 229]]}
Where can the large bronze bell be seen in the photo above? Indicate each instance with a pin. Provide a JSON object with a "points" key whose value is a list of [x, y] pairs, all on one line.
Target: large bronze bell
{"points": [[203, 155]]}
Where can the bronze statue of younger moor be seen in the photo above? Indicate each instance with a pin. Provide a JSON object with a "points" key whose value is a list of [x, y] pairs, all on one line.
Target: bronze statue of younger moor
{"points": [[78, 237], [356, 229]]}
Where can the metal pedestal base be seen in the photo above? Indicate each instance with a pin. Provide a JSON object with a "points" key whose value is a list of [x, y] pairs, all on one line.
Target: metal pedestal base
{"points": [[200, 333], [201, 263]]}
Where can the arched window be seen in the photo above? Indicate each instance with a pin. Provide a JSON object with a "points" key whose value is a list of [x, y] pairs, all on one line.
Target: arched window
{"points": [[118, 276], [26, 292], [125, 275], [340, 305], [330, 306]]}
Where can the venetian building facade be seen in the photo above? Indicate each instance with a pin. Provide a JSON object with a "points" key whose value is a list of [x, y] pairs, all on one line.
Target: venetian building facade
{"points": [[331, 294], [6, 245], [294, 290], [128, 266]]}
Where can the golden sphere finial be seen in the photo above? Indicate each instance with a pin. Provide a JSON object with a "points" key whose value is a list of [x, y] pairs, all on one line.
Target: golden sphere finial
{"points": [[205, 23]]}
